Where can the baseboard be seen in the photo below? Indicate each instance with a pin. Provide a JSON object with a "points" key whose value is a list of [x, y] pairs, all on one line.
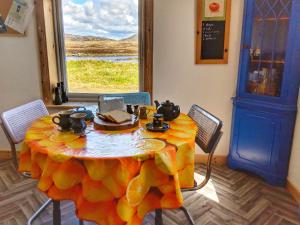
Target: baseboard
{"points": [[217, 159], [293, 190], [6, 154]]}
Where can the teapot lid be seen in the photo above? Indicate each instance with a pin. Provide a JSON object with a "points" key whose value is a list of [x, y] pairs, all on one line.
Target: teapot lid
{"points": [[167, 103]]}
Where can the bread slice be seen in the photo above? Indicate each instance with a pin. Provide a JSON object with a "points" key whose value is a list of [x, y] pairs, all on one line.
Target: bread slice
{"points": [[106, 116], [117, 116]]}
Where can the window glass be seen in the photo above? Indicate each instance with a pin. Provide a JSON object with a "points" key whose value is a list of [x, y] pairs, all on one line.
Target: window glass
{"points": [[267, 51], [101, 45]]}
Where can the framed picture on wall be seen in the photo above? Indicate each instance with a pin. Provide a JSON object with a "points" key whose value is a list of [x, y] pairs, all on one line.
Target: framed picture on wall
{"points": [[212, 35], [214, 9]]}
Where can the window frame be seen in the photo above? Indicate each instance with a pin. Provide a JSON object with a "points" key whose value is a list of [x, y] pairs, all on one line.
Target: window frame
{"points": [[145, 49]]}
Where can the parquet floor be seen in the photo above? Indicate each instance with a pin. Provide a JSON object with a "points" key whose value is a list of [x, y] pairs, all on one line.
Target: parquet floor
{"points": [[231, 198]]}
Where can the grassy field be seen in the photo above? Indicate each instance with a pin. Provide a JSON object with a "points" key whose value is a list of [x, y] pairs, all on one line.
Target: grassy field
{"points": [[90, 76]]}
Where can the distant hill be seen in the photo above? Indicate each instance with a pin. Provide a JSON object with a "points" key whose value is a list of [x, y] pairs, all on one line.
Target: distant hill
{"points": [[72, 37], [77, 45], [131, 38]]}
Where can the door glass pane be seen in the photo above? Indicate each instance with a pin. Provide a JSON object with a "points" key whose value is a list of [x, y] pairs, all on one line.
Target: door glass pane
{"points": [[268, 46]]}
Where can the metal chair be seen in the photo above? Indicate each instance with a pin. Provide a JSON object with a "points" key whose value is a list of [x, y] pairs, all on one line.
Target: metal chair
{"points": [[207, 138], [132, 98], [14, 123]]}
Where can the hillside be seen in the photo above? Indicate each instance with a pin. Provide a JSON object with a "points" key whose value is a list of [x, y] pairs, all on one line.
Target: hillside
{"points": [[132, 38], [72, 37], [98, 46]]}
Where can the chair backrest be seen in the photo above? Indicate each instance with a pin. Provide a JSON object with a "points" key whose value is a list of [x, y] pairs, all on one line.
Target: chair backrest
{"points": [[142, 98], [17, 120], [209, 128]]}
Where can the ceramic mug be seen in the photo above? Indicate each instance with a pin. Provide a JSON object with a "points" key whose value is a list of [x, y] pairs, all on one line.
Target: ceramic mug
{"points": [[158, 120], [78, 123], [63, 119]]}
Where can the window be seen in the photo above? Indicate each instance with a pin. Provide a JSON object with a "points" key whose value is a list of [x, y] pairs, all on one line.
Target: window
{"points": [[104, 46]]}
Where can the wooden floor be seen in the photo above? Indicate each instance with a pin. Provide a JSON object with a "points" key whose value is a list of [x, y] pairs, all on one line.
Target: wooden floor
{"points": [[232, 198]]}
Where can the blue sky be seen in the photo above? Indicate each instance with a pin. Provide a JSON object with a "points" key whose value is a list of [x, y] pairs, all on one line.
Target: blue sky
{"points": [[114, 19]]}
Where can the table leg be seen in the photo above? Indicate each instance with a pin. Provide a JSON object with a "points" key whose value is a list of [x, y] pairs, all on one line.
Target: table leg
{"points": [[158, 217], [56, 213]]}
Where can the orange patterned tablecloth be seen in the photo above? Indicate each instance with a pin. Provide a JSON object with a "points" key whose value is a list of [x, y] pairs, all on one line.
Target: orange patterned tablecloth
{"points": [[112, 177]]}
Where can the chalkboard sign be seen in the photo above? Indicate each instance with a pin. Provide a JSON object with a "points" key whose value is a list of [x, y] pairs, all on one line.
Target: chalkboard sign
{"points": [[213, 40], [212, 31]]}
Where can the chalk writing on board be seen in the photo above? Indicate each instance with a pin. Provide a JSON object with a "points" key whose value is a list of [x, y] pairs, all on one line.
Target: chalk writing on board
{"points": [[212, 39], [209, 32]]}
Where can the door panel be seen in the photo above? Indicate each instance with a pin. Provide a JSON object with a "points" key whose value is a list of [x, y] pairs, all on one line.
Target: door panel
{"points": [[254, 137]]}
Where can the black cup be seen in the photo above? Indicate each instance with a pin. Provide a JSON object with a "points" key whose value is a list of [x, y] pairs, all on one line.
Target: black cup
{"points": [[158, 120], [64, 120], [78, 123], [129, 109]]}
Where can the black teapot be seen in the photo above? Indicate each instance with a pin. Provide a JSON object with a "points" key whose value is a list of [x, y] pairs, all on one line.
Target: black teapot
{"points": [[168, 109]]}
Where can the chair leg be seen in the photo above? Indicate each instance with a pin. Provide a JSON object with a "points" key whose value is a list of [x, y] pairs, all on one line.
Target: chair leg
{"points": [[188, 215], [158, 217], [56, 213], [26, 174], [39, 211], [14, 157], [81, 222]]}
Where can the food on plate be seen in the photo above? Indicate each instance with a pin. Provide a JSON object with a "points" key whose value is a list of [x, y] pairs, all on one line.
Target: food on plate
{"points": [[116, 116]]}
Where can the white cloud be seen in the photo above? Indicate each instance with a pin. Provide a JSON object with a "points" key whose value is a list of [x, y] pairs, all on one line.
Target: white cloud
{"points": [[108, 18]]}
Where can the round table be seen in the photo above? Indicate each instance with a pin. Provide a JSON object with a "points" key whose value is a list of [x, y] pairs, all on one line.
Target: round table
{"points": [[113, 177]]}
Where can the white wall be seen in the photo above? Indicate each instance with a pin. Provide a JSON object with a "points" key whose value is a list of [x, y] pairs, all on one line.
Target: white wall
{"points": [[19, 72], [294, 175], [175, 74]]}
